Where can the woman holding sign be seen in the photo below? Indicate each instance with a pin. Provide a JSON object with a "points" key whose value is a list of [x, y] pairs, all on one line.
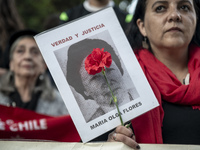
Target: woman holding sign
{"points": [[165, 38]]}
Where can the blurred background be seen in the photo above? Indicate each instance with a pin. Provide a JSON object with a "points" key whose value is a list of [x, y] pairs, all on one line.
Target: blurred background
{"points": [[35, 12]]}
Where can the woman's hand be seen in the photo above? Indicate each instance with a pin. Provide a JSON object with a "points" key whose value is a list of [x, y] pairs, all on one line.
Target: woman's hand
{"points": [[125, 135]]}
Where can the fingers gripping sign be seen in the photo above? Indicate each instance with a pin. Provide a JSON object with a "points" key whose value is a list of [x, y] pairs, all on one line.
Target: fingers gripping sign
{"points": [[125, 135]]}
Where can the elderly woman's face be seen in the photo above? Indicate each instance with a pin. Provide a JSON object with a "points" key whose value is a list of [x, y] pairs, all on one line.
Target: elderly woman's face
{"points": [[168, 23], [27, 59]]}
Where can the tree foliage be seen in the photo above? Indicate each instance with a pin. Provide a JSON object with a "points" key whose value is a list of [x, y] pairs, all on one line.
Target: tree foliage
{"points": [[34, 12]]}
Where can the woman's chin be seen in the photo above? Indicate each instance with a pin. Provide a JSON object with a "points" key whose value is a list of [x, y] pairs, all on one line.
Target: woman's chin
{"points": [[28, 75], [176, 43]]}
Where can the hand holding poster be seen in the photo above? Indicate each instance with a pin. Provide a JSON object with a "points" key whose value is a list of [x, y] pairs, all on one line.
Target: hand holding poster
{"points": [[86, 96]]}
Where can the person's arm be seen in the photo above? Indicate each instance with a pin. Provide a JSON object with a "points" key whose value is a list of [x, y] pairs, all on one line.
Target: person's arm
{"points": [[125, 135]]}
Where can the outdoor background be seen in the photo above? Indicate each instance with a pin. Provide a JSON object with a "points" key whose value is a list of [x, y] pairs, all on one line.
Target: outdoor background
{"points": [[34, 12]]}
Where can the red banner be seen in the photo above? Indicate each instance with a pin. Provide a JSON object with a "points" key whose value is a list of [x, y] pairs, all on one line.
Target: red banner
{"points": [[24, 124]]}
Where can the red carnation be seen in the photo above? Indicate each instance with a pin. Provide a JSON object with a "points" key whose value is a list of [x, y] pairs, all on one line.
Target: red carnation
{"points": [[97, 60], [96, 63]]}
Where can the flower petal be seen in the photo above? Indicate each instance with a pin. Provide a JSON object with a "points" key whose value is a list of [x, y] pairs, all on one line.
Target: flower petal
{"points": [[97, 60]]}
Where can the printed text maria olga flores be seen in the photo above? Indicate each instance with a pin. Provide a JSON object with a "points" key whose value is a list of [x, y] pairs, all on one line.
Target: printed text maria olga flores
{"points": [[126, 110]]}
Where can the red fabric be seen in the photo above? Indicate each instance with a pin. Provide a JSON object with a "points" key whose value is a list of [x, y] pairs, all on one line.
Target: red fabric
{"points": [[25, 124], [166, 86]]}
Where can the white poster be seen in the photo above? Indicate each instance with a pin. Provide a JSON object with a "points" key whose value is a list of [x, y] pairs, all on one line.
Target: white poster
{"points": [[87, 97]]}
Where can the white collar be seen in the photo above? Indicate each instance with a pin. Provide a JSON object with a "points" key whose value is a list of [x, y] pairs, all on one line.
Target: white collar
{"points": [[90, 8]]}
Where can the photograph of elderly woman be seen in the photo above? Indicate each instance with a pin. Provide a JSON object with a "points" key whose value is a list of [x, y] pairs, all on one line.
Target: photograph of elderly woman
{"points": [[91, 91]]}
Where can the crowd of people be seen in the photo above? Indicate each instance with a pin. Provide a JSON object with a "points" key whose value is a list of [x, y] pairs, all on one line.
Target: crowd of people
{"points": [[165, 37]]}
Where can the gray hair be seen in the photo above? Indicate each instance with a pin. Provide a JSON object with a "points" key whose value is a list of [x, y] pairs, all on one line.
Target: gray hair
{"points": [[14, 45]]}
